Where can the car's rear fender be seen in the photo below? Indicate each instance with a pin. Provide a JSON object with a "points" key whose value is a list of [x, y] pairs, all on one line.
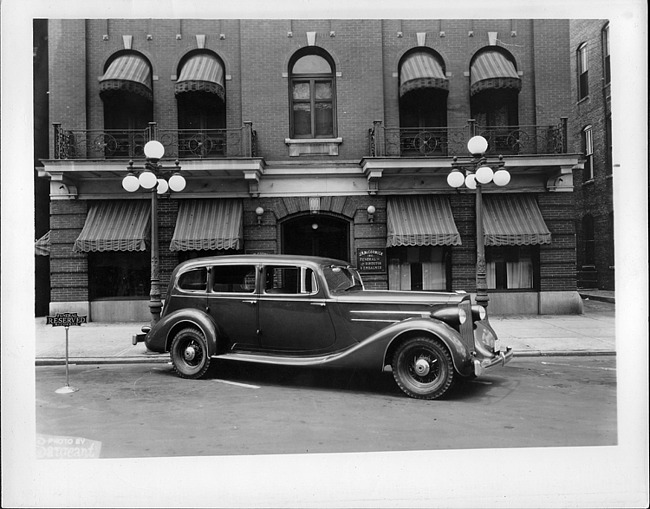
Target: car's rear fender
{"points": [[171, 324], [414, 327]]}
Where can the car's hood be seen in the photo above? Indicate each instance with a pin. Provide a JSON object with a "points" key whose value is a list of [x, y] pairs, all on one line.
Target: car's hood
{"points": [[401, 297]]}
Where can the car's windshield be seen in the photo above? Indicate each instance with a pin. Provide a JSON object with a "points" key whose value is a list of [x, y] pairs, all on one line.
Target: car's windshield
{"points": [[340, 278]]}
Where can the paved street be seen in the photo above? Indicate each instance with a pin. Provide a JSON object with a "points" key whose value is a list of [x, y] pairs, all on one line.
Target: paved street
{"points": [[143, 410]]}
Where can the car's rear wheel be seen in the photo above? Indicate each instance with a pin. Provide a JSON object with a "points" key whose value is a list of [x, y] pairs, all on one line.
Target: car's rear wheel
{"points": [[189, 353], [423, 368]]}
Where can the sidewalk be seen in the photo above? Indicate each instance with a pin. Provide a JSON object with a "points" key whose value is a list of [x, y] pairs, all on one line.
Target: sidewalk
{"points": [[592, 333]]}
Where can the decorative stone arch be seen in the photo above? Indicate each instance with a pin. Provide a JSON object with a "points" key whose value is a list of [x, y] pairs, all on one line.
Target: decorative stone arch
{"points": [[337, 205]]}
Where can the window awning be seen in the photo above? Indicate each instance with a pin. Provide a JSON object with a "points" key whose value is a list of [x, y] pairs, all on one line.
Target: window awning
{"points": [[201, 73], [42, 245], [493, 70], [421, 221], [513, 220], [115, 226], [208, 225], [421, 70], [130, 73]]}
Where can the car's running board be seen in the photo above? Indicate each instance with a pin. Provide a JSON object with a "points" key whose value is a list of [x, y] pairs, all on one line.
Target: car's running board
{"points": [[280, 360]]}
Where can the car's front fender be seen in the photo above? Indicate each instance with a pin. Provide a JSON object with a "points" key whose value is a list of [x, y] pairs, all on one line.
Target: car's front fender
{"points": [[160, 337], [412, 327], [376, 350]]}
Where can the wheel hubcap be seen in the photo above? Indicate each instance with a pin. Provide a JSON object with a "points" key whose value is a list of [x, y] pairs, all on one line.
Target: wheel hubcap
{"points": [[422, 367], [190, 353]]}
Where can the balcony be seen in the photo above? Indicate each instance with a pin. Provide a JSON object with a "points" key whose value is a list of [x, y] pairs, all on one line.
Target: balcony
{"points": [[178, 143], [451, 141]]}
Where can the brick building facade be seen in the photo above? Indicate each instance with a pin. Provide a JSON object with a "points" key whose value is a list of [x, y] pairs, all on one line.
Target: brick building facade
{"points": [[332, 136], [592, 127]]}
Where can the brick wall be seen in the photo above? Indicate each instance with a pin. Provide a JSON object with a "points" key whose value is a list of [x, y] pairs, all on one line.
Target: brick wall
{"points": [[593, 196], [68, 269]]}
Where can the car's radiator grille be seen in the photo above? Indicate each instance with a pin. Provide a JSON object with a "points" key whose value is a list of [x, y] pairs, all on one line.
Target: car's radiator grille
{"points": [[467, 328]]}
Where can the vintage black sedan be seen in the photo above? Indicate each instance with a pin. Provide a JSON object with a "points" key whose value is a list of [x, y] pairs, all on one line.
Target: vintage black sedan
{"points": [[309, 311]]}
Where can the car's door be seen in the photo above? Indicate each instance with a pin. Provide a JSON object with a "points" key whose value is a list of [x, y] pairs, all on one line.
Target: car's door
{"points": [[232, 303], [294, 316]]}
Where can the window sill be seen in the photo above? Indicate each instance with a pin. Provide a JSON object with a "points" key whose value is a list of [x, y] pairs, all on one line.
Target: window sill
{"points": [[313, 146]]}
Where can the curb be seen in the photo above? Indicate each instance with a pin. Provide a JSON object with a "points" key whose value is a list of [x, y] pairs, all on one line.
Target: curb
{"points": [[56, 361], [164, 359]]}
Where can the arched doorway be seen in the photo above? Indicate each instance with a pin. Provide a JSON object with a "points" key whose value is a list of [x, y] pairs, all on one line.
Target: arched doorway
{"points": [[317, 235]]}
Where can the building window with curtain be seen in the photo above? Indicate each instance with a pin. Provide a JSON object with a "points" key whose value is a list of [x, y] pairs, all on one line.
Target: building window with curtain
{"points": [[588, 151], [200, 97], [119, 275], [583, 71], [419, 268], [126, 91], [607, 73], [312, 95], [512, 267], [115, 235]]}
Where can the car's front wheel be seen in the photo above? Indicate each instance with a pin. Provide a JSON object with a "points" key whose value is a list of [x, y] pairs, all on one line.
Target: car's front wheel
{"points": [[189, 354], [423, 368]]}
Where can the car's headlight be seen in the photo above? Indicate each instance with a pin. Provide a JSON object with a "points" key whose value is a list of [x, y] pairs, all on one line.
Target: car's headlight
{"points": [[479, 311], [462, 316]]}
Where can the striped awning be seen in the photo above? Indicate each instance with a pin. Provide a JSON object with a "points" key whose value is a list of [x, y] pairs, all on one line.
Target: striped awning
{"points": [[421, 70], [129, 72], [42, 245], [201, 73], [513, 220], [421, 221], [493, 70], [115, 226], [208, 225]]}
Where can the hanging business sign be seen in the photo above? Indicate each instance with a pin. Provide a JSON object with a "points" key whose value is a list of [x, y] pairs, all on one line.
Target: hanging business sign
{"points": [[371, 259]]}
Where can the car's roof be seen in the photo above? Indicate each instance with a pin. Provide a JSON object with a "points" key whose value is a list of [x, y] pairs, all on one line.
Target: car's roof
{"points": [[262, 258]]}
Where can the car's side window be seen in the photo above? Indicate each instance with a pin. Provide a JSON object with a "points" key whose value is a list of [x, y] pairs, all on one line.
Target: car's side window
{"points": [[233, 279], [290, 280], [194, 280]]}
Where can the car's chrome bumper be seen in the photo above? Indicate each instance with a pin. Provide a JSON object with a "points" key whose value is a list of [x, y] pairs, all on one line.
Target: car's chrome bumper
{"points": [[139, 338], [481, 366]]}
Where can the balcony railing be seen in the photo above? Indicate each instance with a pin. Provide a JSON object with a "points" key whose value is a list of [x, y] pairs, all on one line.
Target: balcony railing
{"points": [[178, 143], [452, 141]]}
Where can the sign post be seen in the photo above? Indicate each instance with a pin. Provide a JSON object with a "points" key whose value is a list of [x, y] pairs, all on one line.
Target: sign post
{"points": [[66, 320]]}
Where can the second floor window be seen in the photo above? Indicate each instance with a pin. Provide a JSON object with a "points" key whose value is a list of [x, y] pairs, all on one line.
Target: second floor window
{"points": [[583, 72], [588, 150], [312, 97], [607, 73]]}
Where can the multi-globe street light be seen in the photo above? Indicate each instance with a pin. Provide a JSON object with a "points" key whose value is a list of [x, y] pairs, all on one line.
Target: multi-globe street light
{"points": [[153, 178], [474, 174]]}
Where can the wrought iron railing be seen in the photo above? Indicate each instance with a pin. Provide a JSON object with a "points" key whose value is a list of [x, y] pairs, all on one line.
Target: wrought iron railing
{"points": [[452, 141], [178, 143]]}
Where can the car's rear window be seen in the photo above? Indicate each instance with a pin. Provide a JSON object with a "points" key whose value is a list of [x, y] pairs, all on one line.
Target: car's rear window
{"points": [[233, 279], [196, 279]]}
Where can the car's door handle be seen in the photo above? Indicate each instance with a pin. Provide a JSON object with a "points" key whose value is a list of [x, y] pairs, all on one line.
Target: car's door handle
{"points": [[320, 304], [249, 302]]}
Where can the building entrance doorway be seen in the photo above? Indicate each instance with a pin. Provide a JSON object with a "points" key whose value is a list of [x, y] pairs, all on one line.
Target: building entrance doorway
{"points": [[317, 235]]}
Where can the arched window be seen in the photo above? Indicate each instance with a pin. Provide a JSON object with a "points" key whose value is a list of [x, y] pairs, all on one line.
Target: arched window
{"points": [[423, 92], [201, 100], [126, 91], [312, 95], [588, 151], [494, 103], [582, 59], [588, 234]]}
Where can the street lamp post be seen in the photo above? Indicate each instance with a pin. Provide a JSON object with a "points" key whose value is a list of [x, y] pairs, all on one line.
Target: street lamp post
{"points": [[152, 178], [475, 174]]}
